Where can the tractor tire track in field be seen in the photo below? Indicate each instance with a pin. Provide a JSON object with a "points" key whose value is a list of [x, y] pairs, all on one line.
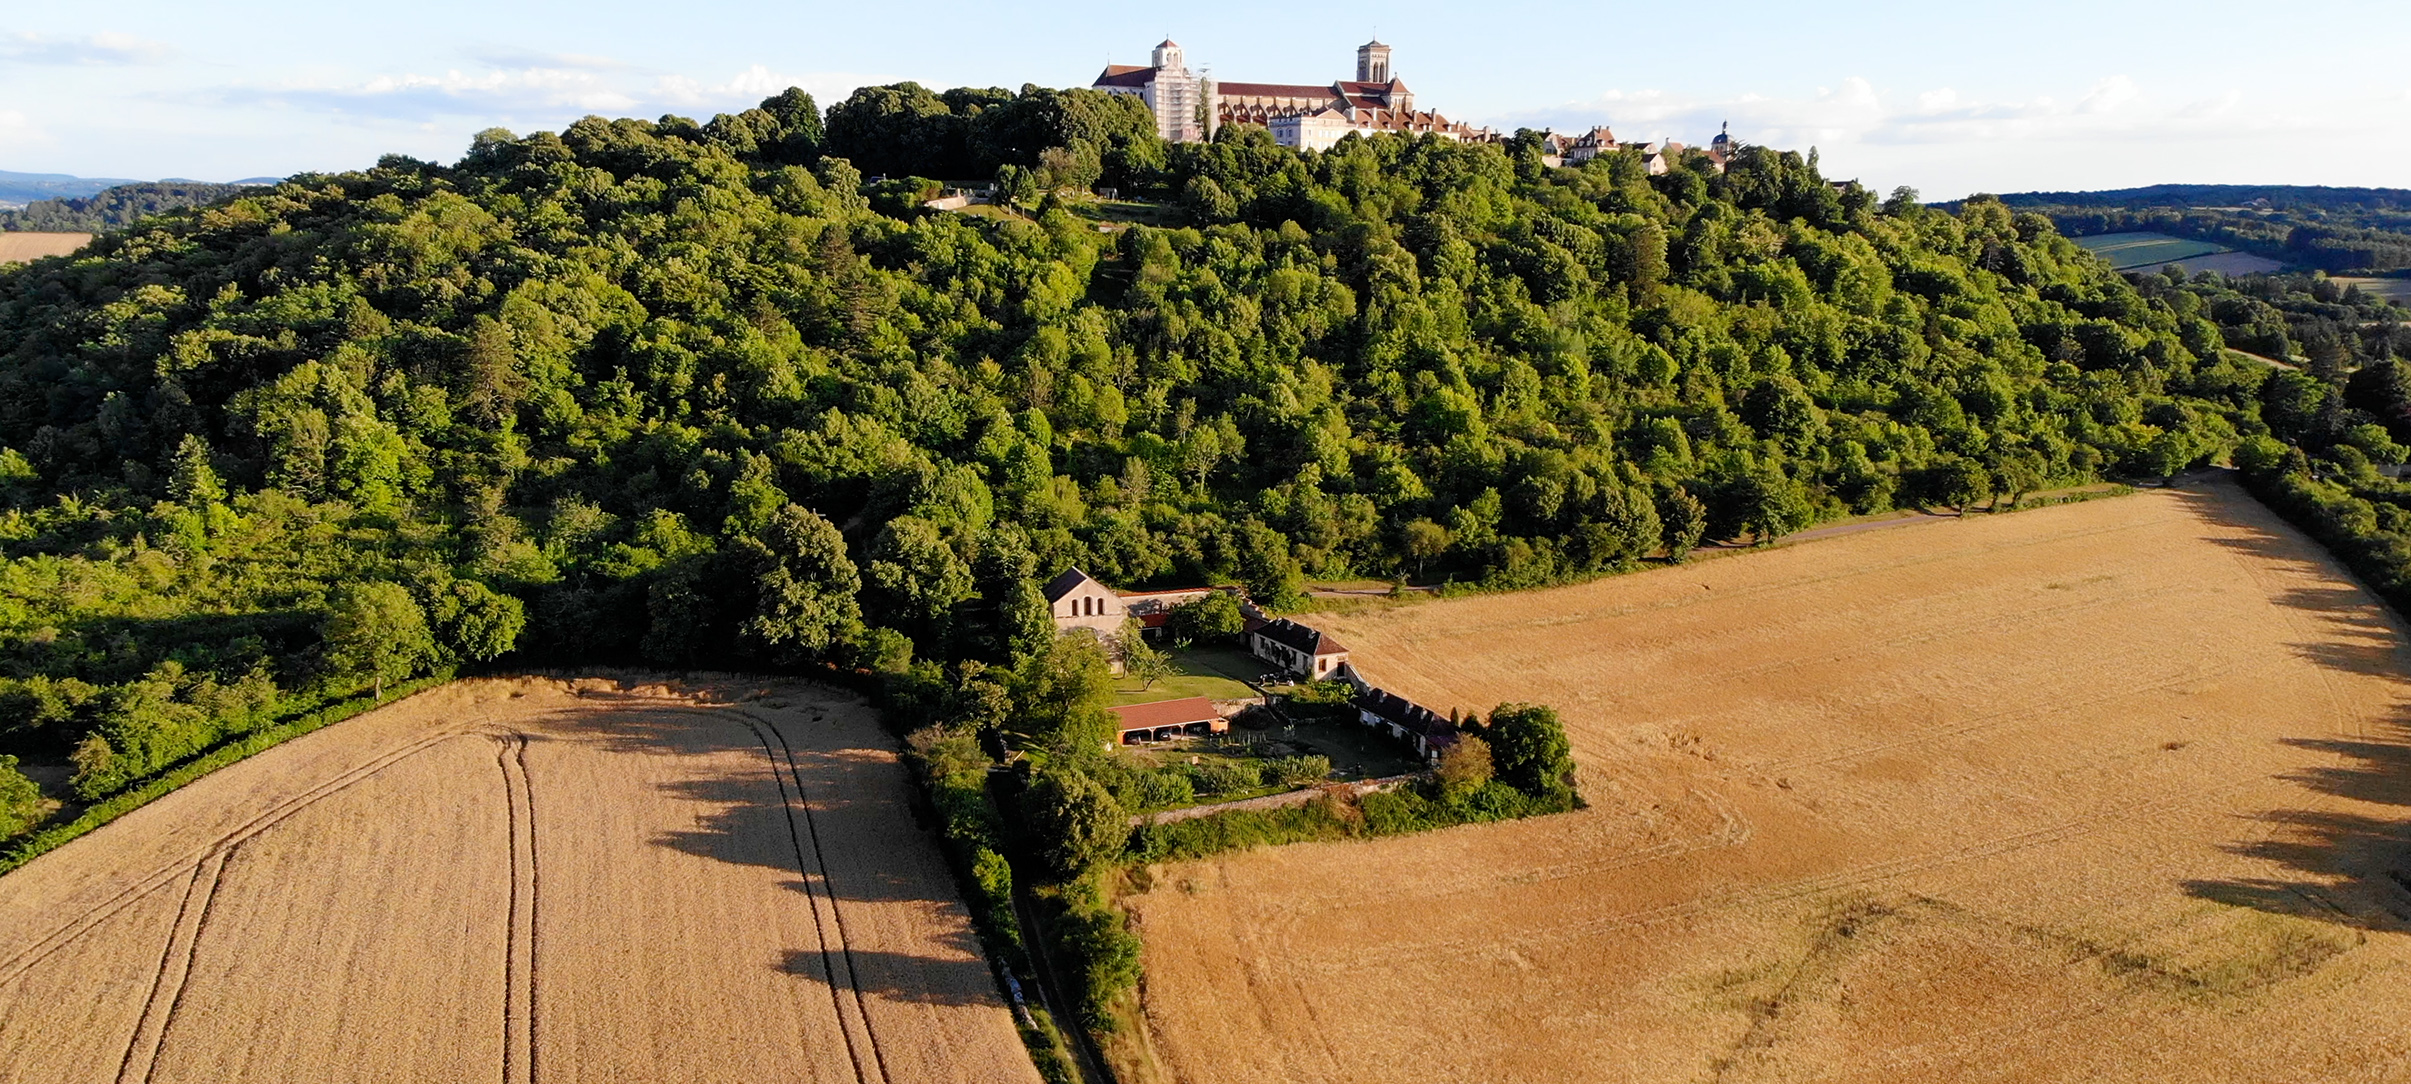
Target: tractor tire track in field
{"points": [[845, 944], [519, 965], [67, 933], [175, 966], [828, 922]]}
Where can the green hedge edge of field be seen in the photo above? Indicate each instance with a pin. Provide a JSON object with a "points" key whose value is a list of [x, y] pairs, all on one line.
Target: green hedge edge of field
{"points": [[45, 840]]}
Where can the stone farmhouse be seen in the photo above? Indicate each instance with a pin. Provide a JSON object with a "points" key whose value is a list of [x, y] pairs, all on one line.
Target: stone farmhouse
{"points": [[1190, 106], [1079, 602], [1430, 732], [1083, 605], [1304, 651]]}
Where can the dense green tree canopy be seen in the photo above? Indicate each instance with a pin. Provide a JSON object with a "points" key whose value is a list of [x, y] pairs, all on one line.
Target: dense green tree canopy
{"points": [[676, 392]]}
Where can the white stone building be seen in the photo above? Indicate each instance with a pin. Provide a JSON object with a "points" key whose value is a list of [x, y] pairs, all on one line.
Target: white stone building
{"points": [[1176, 95], [1308, 116]]}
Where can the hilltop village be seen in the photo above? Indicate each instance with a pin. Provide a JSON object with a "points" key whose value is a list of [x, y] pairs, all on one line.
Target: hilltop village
{"points": [[1190, 106]]}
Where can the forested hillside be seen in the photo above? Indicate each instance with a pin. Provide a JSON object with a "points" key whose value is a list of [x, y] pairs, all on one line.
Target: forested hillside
{"points": [[681, 394]]}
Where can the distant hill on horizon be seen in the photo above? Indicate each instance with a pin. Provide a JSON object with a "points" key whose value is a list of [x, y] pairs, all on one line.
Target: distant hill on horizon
{"points": [[122, 205], [20, 189]]}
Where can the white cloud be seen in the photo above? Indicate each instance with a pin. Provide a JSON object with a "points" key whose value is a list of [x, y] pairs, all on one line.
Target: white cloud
{"points": [[529, 58], [2108, 95], [1854, 111], [747, 88], [2116, 131], [539, 92], [413, 96], [17, 131], [105, 49]]}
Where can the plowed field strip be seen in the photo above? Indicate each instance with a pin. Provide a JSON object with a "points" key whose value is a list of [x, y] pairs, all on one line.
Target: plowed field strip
{"points": [[175, 965]]}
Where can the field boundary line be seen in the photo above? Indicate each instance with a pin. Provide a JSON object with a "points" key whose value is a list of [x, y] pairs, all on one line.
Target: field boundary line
{"points": [[1409, 637], [234, 751], [61, 936], [175, 967]]}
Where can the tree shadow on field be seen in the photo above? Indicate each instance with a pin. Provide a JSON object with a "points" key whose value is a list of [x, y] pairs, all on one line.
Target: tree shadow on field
{"points": [[856, 834], [2349, 841], [892, 976]]}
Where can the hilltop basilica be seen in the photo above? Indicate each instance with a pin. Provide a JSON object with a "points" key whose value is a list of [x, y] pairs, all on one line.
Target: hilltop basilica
{"points": [[1189, 106]]}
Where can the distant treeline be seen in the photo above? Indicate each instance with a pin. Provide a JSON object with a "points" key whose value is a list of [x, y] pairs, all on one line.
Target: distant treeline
{"points": [[123, 205], [2319, 197], [2371, 243], [2363, 230]]}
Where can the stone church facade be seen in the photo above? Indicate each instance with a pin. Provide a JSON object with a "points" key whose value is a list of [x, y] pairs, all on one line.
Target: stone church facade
{"points": [[1190, 106]]}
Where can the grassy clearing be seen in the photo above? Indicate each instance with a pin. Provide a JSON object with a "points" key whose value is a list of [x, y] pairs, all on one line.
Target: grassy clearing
{"points": [[1200, 672], [1123, 214], [1221, 673], [2390, 289]]}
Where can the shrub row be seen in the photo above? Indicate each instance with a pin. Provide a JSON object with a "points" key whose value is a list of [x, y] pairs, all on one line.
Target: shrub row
{"points": [[1419, 807], [2349, 525], [139, 795]]}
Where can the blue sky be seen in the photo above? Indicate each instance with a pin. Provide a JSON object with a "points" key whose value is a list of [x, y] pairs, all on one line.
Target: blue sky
{"points": [[1947, 98]]}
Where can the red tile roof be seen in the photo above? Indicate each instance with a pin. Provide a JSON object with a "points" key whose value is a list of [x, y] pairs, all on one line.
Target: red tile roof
{"points": [[1273, 90], [1194, 709]]}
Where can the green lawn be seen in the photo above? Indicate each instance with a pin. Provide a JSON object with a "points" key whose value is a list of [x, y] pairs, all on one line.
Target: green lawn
{"points": [[1218, 672], [2127, 251]]}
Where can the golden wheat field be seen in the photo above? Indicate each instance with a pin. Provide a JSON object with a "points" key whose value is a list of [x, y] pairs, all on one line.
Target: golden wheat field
{"points": [[2107, 792], [24, 247], [516, 880]]}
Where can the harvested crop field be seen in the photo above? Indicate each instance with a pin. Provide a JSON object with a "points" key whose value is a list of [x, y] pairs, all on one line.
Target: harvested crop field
{"points": [[516, 880], [25, 247], [2108, 791], [2229, 263]]}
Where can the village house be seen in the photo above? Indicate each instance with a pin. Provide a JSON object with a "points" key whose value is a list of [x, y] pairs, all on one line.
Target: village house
{"points": [[1151, 608], [1657, 156], [1165, 720], [1079, 602], [1428, 731], [1304, 651]]}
